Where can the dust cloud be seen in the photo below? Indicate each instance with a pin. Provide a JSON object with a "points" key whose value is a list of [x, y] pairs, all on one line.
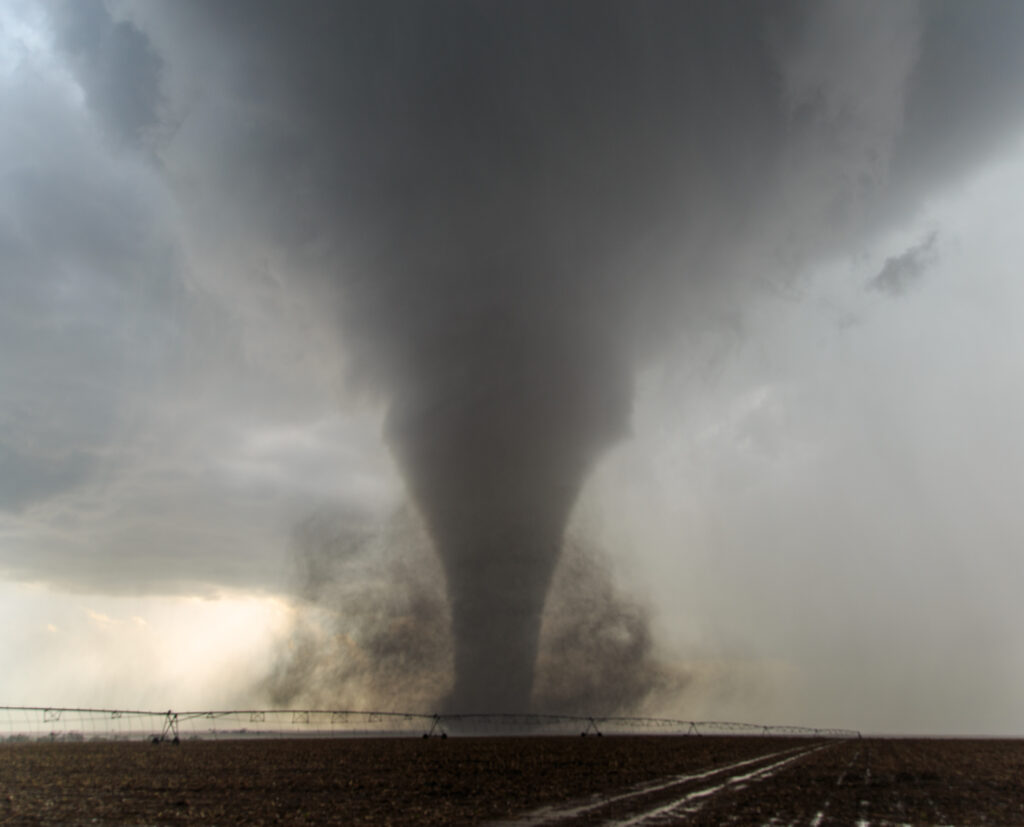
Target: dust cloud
{"points": [[371, 628]]}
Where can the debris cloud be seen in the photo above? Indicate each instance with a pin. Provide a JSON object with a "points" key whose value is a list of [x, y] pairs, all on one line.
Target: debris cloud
{"points": [[372, 625]]}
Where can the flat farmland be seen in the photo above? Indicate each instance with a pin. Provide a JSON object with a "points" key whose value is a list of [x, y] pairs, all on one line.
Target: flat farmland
{"points": [[525, 781]]}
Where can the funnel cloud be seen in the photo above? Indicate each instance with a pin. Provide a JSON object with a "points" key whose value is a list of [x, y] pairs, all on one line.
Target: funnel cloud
{"points": [[503, 210]]}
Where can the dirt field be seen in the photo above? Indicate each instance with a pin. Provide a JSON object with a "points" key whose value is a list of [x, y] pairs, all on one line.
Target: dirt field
{"points": [[624, 780]]}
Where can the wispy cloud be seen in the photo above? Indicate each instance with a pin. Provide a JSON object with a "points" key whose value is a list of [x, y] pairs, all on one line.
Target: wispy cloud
{"points": [[901, 273]]}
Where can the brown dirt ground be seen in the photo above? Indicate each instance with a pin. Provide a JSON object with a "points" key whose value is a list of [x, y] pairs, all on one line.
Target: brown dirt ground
{"points": [[473, 780]]}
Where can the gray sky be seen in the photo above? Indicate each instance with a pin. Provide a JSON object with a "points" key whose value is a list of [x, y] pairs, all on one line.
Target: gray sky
{"points": [[817, 496]]}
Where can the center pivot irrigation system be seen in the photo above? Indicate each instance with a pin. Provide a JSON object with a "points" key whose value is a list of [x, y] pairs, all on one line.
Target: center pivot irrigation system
{"points": [[32, 723]]}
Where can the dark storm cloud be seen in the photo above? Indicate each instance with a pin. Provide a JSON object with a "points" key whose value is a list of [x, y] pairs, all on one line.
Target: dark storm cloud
{"points": [[900, 273], [512, 166], [110, 365], [508, 207], [115, 64], [83, 267], [965, 99], [29, 477]]}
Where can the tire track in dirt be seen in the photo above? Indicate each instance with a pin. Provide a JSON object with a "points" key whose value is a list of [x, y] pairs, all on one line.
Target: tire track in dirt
{"points": [[627, 808], [682, 807]]}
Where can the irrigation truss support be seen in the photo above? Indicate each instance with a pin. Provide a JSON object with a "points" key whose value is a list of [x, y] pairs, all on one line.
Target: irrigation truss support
{"points": [[436, 728], [170, 728]]}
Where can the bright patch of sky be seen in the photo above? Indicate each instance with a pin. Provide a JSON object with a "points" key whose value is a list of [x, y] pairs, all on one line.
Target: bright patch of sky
{"points": [[87, 650]]}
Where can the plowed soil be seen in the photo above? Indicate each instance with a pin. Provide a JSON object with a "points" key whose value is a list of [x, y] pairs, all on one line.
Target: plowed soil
{"points": [[475, 780]]}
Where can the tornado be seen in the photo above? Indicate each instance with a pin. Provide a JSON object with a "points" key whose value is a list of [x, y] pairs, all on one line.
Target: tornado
{"points": [[495, 468], [510, 265], [505, 208]]}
